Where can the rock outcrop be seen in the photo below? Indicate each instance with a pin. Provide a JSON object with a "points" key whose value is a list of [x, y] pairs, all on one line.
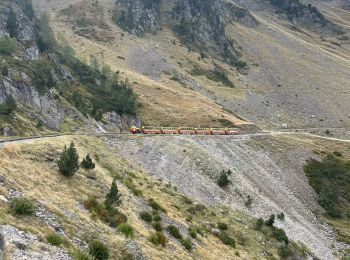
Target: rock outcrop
{"points": [[26, 33], [199, 24]]}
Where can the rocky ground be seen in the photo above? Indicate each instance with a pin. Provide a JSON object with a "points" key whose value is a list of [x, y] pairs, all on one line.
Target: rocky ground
{"points": [[275, 182]]}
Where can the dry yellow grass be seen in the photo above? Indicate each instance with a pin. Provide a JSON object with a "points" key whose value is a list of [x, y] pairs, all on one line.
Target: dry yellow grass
{"points": [[30, 167]]}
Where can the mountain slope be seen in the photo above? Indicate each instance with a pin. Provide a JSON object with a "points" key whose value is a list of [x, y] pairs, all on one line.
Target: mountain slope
{"points": [[296, 77]]}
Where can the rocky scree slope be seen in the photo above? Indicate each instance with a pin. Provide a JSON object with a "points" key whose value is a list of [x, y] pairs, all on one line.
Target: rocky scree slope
{"points": [[268, 170], [40, 77]]}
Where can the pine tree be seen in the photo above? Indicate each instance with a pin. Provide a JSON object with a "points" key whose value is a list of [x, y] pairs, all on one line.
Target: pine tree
{"points": [[69, 161], [87, 163], [11, 24], [113, 197]]}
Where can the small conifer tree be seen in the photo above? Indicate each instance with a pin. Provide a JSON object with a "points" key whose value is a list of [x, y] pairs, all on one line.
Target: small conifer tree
{"points": [[113, 197], [223, 179], [69, 161], [270, 221], [87, 163]]}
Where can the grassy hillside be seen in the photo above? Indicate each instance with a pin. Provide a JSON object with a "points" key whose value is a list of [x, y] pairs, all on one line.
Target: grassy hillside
{"points": [[26, 165], [294, 69]]}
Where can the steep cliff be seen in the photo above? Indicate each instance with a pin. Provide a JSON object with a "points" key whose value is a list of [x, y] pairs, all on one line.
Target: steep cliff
{"points": [[51, 88]]}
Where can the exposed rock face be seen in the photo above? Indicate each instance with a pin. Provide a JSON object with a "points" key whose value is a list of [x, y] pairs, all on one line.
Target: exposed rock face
{"points": [[27, 34], [139, 16], [199, 24], [24, 245], [305, 14], [46, 108]]}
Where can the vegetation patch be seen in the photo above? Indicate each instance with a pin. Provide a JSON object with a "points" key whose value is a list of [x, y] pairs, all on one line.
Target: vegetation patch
{"points": [[98, 250], [217, 74], [330, 178], [68, 163], [158, 238], [22, 206], [54, 239]]}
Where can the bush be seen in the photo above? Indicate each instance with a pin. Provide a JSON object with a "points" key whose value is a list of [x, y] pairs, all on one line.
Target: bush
{"points": [[79, 255], [98, 250], [155, 205], [8, 107], [280, 235], [227, 240], [54, 239], [280, 216], [174, 231], [187, 243], [192, 232], [87, 163], [113, 197], [43, 79], [68, 163], [22, 206], [126, 229], [284, 252], [259, 224], [146, 216], [222, 226], [270, 221], [158, 238], [7, 45], [223, 179], [157, 226]]}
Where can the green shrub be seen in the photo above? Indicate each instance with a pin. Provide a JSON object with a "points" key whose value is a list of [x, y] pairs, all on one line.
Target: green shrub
{"points": [[22, 206], [79, 255], [187, 243], [158, 238], [54, 239], [157, 226], [43, 79], [8, 107], [113, 197], [223, 180], [284, 252], [155, 205], [98, 250], [87, 163], [146, 216], [259, 224], [126, 229], [227, 240], [68, 163], [280, 216], [192, 232], [7, 45], [222, 226], [270, 221], [279, 234], [174, 231]]}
